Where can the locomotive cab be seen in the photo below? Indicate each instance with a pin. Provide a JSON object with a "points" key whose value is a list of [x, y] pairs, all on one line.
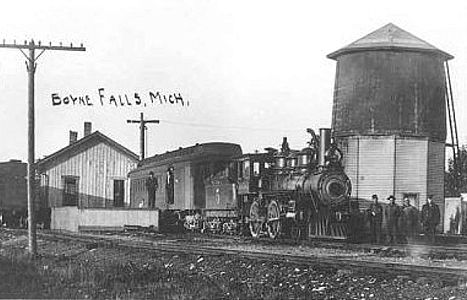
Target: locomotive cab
{"points": [[250, 171]]}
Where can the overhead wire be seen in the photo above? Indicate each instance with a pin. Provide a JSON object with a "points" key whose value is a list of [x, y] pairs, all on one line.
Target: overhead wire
{"points": [[227, 127]]}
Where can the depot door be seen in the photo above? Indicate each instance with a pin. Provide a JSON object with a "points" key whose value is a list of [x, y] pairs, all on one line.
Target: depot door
{"points": [[119, 192]]}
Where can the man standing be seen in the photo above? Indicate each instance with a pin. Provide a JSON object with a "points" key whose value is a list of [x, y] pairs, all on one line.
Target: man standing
{"points": [[151, 185], [392, 214], [430, 218], [409, 221], [375, 213]]}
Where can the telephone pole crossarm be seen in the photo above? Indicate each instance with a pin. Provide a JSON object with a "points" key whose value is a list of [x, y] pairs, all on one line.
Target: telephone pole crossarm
{"points": [[142, 128], [42, 47]]}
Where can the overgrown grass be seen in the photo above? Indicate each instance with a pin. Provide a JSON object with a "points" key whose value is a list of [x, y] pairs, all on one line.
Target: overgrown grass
{"points": [[101, 274]]}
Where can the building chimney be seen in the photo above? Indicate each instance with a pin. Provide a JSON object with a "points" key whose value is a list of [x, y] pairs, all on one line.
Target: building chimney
{"points": [[73, 136], [87, 128]]}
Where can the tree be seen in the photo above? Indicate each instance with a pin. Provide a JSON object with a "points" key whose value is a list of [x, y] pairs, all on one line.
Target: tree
{"points": [[455, 183]]}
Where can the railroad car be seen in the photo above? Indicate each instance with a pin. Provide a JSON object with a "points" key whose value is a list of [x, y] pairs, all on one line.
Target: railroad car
{"points": [[298, 193], [186, 177], [13, 197]]}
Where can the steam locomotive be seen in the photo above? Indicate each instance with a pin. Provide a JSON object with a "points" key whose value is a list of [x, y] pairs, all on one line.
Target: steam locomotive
{"points": [[282, 192]]}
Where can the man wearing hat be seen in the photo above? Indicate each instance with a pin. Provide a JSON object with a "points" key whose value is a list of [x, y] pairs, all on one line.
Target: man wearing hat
{"points": [[151, 185], [375, 214], [430, 218], [409, 221], [392, 213]]}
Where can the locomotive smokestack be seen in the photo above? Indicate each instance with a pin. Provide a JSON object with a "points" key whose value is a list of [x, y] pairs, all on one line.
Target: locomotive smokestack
{"points": [[324, 143], [285, 146]]}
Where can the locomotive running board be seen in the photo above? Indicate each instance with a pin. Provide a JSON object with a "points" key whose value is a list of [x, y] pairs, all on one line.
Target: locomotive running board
{"points": [[328, 237]]}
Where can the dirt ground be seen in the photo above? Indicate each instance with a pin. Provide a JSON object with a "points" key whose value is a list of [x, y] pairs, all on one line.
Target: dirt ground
{"points": [[77, 271]]}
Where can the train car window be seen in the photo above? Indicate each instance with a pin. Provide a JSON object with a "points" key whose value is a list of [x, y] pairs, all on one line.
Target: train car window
{"points": [[256, 168], [170, 185], [205, 171], [219, 169], [246, 169], [159, 180], [231, 172], [240, 169]]}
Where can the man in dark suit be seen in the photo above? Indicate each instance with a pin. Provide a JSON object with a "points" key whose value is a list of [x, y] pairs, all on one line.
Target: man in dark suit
{"points": [[430, 219], [375, 214], [152, 186], [392, 214], [409, 221]]}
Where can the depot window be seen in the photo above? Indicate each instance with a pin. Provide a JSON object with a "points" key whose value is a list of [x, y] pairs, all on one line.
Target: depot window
{"points": [[70, 190]]}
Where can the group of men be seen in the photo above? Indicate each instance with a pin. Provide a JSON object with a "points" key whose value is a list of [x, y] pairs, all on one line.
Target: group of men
{"points": [[402, 223]]}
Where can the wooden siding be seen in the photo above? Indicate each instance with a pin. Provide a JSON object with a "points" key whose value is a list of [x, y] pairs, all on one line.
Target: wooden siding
{"points": [[376, 167], [390, 93], [394, 165], [95, 168], [411, 168], [436, 158]]}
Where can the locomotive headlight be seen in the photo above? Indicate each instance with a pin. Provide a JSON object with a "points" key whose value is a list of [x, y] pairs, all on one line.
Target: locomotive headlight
{"points": [[336, 189]]}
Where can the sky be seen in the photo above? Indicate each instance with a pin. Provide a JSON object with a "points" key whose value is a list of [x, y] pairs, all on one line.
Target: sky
{"points": [[249, 72]]}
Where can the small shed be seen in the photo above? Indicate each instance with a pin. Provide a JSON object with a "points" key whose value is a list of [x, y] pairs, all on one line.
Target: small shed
{"points": [[89, 173]]}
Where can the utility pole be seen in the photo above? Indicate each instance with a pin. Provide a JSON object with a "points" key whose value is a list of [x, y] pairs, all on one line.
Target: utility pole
{"points": [[31, 68], [142, 128]]}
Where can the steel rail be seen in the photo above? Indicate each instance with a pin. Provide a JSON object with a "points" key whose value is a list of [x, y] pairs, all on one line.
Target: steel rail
{"points": [[436, 272]]}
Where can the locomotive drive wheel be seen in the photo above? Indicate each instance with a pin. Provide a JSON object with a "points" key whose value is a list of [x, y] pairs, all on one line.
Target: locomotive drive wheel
{"points": [[255, 220], [274, 223]]}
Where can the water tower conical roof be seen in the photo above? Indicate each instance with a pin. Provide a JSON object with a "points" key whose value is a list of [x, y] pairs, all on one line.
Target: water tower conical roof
{"points": [[390, 37]]}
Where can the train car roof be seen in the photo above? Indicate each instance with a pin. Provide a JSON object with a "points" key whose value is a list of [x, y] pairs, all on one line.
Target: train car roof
{"points": [[12, 168], [258, 155], [198, 152]]}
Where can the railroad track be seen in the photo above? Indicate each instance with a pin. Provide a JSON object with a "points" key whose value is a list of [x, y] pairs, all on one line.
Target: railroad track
{"points": [[447, 274], [458, 252]]}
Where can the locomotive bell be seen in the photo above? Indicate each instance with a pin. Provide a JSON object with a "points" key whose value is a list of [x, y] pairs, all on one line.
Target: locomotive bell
{"points": [[325, 142]]}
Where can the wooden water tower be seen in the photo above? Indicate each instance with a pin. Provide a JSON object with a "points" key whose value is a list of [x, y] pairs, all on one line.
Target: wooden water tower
{"points": [[389, 115]]}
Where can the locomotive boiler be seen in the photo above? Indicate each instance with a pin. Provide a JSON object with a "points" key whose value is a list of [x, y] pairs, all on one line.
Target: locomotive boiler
{"points": [[299, 193]]}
